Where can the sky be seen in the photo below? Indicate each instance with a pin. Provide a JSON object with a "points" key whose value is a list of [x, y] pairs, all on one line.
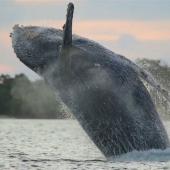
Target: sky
{"points": [[133, 28]]}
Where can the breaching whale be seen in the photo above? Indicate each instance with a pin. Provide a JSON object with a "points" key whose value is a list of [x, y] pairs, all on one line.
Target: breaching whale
{"points": [[101, 88]]}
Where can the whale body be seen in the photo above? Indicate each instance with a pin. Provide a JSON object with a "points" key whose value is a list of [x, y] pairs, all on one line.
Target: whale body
{"points": [[101, 89]]}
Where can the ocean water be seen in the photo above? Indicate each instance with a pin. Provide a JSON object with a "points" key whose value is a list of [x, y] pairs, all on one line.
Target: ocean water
{"points": [[63, 145]]}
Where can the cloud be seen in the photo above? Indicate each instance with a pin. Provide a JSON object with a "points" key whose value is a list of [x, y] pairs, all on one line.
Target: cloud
{"points": [[130, 38], [141, 30], [112, 30], [38, 1], [44, 2], [6, 69], [132, 48], [5, 40]]}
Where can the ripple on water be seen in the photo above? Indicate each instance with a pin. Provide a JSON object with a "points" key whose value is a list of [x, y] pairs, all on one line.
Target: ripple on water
{"points": [[63, 145]]}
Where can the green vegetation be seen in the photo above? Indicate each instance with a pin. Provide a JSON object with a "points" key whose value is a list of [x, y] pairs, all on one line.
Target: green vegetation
{"points": [[161, 73], [21, 98]]}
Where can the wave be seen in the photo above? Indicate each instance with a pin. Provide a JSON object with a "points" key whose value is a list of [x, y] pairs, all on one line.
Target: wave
{"points": [[153, 155]]}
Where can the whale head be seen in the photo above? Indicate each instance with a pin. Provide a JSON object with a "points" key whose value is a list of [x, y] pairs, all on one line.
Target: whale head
{"points": [[37, 47]]}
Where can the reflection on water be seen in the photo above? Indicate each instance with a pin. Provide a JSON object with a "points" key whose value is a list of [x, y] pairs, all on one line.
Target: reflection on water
{"points": [[63, 145]]}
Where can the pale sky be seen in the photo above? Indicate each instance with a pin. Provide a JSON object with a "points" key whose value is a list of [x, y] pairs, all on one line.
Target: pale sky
{"points": [[134, 28]]}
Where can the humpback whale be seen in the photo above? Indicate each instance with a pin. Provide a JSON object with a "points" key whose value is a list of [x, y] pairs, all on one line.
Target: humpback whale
{"points": [[102, 89]]}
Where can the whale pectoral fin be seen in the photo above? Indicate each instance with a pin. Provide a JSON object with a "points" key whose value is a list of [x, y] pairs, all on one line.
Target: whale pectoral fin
{"points": [[67, 28]]}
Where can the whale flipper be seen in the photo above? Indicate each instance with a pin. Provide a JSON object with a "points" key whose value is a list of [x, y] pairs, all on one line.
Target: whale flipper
{"points": [[67, 36]]}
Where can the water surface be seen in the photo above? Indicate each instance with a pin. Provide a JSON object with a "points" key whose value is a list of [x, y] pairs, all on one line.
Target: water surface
{"points": [[63, 145]]}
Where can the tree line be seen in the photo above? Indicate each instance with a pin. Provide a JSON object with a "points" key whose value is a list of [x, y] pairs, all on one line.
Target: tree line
{"points": [[161, 73], [22, 98]]}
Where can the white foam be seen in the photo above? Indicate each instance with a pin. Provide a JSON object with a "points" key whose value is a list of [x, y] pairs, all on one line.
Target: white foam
{"points": [[150, 155]]}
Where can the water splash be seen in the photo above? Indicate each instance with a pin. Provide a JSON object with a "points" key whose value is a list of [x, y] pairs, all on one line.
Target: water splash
{"points": [[153, 155], [146, 76]]}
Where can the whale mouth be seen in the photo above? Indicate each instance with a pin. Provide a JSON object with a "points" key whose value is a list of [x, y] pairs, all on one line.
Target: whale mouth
{"points": [[35, 46]]}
